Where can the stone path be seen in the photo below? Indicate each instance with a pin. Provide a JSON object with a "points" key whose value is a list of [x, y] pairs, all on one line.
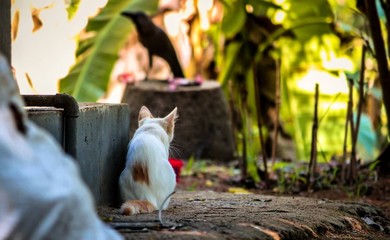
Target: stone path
{"points": [[211, 215]]}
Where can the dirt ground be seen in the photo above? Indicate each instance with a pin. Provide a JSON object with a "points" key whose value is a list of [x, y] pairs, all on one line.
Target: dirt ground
{"points": [[217, 179], [212, 215], [210, 204]]}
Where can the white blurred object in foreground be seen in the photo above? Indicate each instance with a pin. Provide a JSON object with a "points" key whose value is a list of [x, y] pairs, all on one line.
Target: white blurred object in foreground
{"points": [[42, 195]]}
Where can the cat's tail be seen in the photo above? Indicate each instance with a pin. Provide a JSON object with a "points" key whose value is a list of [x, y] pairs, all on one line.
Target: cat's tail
{"points": [[132, 207]]}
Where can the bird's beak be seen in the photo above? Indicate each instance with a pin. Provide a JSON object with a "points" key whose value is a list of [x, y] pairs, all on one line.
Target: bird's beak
{"points": [[128, 14]]}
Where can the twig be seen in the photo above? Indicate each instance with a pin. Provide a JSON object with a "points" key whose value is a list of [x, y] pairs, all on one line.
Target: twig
{"points": [[361, 95], [352, 164], [277, 104], [260, 121], [244, 158], [244, 117], [238, 124], [347, 119], [313, 154], [355, 130], [236, 119]]}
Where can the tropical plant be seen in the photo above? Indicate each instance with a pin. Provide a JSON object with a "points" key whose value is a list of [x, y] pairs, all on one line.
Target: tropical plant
{"points": [[374, 13], [258, 43], [260, 40], [99, 47]]}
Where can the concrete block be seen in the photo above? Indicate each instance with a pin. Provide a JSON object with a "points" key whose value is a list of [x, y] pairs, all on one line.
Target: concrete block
{"points": [[102, 135], [50, 119]]}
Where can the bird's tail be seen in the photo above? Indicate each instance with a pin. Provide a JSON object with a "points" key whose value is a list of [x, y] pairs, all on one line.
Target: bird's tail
{"points": [[132, 207]]}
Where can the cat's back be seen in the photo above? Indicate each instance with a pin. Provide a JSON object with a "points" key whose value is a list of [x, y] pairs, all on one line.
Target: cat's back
{"points": [[149, 141]]}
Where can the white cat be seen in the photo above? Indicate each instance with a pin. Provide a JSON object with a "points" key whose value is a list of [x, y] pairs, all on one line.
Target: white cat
{"points": [[148, 178]]}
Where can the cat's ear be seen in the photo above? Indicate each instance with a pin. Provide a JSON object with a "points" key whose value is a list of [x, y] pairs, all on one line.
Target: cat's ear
{"points": [[170, 120], [144, 113]]}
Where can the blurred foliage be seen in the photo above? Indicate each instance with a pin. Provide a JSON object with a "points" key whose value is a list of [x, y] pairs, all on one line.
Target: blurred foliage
{"points": [[263, 29], [315, 42], [72, 8], [98, 49]]}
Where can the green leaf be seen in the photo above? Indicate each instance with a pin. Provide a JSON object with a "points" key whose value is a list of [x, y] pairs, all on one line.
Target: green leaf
{"points": [[381, 11], [373, 165], [305, 18], [88, 78], [105, 15], [72, 8], [234, 18], [260, 7], [232, 52], [188, 169], [85, 45]]}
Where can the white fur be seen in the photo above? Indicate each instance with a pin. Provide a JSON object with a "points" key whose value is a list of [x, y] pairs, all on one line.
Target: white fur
{"points": [[150, 146]]}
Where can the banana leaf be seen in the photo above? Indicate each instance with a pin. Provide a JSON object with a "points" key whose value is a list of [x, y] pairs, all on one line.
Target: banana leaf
{"points": [[87, 80], [72, 8], [234, 18], [231, 57]]}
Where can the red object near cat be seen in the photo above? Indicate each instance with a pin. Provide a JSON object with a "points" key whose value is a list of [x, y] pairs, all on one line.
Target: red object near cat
{"points": [[176, 164]]}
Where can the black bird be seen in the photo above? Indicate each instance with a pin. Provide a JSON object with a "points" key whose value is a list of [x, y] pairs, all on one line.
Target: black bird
{"points": [[156, 41]]}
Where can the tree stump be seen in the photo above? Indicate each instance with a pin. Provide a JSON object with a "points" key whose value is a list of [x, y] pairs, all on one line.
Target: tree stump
{"points": [[203, 129]]}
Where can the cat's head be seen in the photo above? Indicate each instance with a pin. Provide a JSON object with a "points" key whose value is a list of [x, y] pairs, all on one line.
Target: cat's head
{"points": [[167, 123]]}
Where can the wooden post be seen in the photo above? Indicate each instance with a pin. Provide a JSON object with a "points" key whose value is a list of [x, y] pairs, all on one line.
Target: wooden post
{"points": [[5, 29]]}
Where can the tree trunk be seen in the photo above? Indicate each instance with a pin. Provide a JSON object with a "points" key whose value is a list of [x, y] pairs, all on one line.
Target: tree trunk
{"points": [[380, 55]]}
